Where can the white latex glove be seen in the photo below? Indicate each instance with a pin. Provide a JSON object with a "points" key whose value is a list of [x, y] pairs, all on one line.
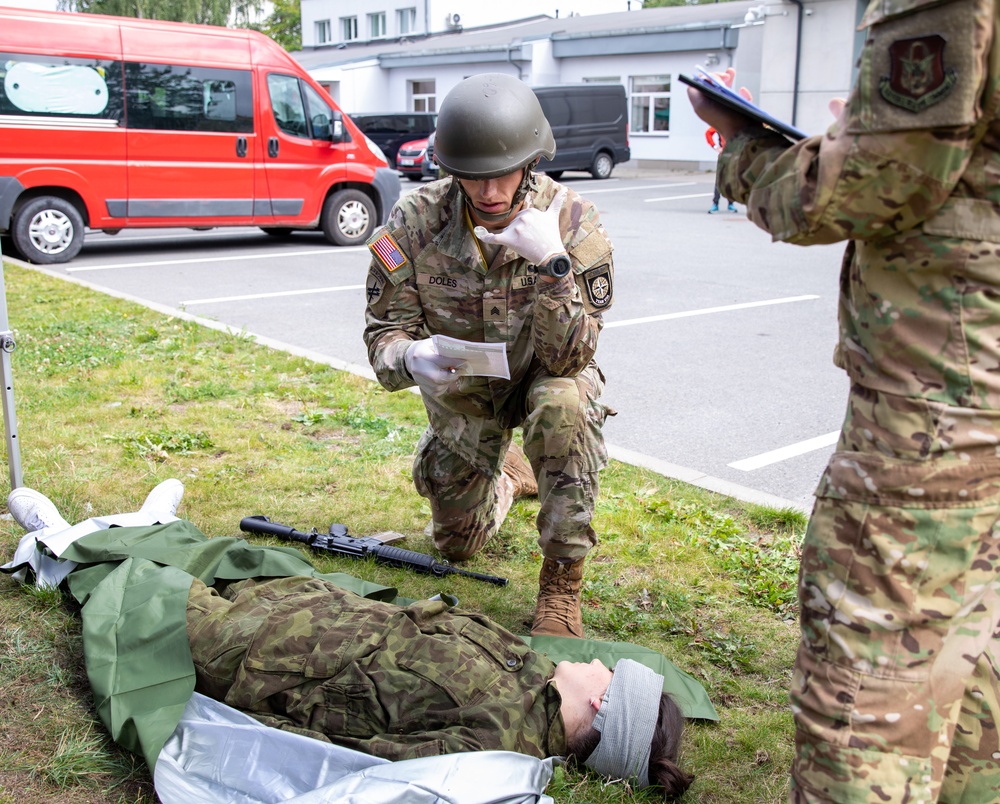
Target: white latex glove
{"points": [[534, 234], [433, 372]]}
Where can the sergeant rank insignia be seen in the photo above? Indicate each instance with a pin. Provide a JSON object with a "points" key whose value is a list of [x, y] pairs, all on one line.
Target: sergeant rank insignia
{"points": [[918, 76], [386, 251], [598, 283]]}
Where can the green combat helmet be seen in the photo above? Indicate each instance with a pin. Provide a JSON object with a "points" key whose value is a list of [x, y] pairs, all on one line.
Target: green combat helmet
{"points": [[490, 125]]}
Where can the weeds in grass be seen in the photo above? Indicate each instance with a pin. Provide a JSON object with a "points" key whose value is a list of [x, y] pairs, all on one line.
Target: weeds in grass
{"points": [[764, 567], [159, 444]]}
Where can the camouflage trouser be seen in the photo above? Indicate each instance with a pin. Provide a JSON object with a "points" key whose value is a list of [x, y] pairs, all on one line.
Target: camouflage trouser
{"points": [[562, 438], [895, 692]]}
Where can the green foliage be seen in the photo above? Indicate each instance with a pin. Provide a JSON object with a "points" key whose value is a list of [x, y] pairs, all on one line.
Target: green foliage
{"points": [[284, 24], [205, 12]]}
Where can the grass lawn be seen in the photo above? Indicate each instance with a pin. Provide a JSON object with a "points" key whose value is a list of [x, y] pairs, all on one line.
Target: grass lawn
{"points": [[112, 398]]}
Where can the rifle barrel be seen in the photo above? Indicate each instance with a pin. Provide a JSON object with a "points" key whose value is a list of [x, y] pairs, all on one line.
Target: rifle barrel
{"points": [[355, 547]]}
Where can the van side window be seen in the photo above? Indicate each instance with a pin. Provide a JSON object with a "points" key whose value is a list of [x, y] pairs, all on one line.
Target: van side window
{"points": [[287, 105], [175, 97], [556, 110], [49, 86]]}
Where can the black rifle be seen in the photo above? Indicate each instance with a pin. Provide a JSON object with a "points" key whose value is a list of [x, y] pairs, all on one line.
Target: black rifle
{"points": [[338, 543]]}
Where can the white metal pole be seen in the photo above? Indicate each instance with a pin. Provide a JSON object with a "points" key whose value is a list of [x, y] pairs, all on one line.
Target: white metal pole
{"points": [[7, 346]]}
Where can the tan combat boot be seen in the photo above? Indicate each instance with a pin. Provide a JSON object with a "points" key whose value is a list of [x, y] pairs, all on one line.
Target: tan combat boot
{"points": [[558, 610], [518, 469]]}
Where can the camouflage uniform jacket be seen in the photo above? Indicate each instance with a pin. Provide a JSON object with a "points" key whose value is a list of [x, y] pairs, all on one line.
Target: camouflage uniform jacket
{"points": [[396, 682], [910, 174], [444, 287]]}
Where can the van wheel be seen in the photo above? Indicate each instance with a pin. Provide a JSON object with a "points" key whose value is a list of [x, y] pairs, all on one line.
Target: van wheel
{"points": [[602, 165], [348, 218], [554, 174], [48, 230]]}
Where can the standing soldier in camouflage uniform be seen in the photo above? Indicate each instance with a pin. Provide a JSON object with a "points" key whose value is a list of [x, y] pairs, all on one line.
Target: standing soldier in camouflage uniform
{"points": [[895, 691], [499, 254]]}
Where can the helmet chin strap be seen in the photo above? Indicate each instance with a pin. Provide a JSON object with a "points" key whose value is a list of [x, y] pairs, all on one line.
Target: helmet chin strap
{"points": [[528, 184]]}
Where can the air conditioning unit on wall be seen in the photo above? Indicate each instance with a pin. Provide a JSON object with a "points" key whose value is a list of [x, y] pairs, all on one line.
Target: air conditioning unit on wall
{"points": [[453, 20]]}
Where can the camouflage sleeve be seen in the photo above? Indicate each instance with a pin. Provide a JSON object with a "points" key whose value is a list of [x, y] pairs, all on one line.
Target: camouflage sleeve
{"points": [[900, 147], [567, 315], [394, 317]]}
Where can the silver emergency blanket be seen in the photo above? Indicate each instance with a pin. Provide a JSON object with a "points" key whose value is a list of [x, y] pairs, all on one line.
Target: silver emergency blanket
{"points": [[219, 754]]}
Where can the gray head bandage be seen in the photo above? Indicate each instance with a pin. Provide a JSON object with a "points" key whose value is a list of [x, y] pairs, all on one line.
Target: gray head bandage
{"points": [[626, 721]]}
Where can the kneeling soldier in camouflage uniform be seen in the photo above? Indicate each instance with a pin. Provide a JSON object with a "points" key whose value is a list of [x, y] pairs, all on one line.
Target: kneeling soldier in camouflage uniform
{"points": [[499, 254], [403, 682]]}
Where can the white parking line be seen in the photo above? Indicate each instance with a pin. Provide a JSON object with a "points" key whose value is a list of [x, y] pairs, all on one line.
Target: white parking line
{"points": [[784, 453], [633, 188], [706, 311], [270, 295], [201, 260], [678, 197]]}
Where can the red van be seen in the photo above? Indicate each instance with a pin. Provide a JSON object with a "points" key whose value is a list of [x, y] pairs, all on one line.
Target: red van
{"points": [[113, 123]]}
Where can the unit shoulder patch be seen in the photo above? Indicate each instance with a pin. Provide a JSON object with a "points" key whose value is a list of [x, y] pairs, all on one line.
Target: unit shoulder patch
{"points": [[599, 285], [918, 78], [375, 286]]}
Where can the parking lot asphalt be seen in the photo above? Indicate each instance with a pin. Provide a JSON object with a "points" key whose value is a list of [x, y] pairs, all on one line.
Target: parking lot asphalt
{"points": [[717, 349]]}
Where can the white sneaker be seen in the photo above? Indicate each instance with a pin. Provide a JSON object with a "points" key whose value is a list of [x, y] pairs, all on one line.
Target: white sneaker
{"points": [[164, 499], [33, 511]]}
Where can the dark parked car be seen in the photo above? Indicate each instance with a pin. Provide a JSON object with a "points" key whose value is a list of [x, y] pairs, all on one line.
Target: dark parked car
{"points": [[390, 130]]}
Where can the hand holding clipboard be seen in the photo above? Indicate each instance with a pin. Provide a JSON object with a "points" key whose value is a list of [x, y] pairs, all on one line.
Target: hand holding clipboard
{"points": [[722, 94]]}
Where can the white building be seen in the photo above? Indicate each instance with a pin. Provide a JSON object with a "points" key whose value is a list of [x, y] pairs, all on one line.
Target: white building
{"points": [[794, 56], [335, 21]]}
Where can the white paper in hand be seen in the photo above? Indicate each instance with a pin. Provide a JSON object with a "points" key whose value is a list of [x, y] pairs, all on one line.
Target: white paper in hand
{"points": [[479, 359]]}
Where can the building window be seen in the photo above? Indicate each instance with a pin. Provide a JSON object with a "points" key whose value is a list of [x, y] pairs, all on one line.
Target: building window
{"points": [[348, 28], [376, 25], [406, 20], [650, 96], [424, 97], [322, 32]]}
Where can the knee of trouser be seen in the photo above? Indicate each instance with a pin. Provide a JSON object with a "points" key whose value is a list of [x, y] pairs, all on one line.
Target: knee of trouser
{"points": [[557, 402], [458, 545], [452, 549]]}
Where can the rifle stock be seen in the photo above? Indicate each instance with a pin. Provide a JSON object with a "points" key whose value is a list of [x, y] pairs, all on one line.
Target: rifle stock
{"points": [[338, 543]]}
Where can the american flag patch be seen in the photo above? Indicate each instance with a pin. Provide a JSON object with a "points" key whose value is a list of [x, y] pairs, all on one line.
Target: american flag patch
{"points": [[385, 248]]}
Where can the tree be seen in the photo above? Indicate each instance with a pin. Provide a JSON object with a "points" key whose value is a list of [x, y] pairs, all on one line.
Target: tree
{"points": [[284, 25], [205, 12]]}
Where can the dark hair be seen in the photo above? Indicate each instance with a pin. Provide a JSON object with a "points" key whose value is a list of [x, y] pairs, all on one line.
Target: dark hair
{"points": [[664, 749]]}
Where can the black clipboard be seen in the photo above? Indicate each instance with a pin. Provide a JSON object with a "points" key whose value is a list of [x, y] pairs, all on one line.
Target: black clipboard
{"points": [[724, 95]]}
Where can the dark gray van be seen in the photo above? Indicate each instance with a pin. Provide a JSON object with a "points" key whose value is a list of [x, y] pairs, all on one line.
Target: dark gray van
{"points": [[389, 130], [590, 124]]}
